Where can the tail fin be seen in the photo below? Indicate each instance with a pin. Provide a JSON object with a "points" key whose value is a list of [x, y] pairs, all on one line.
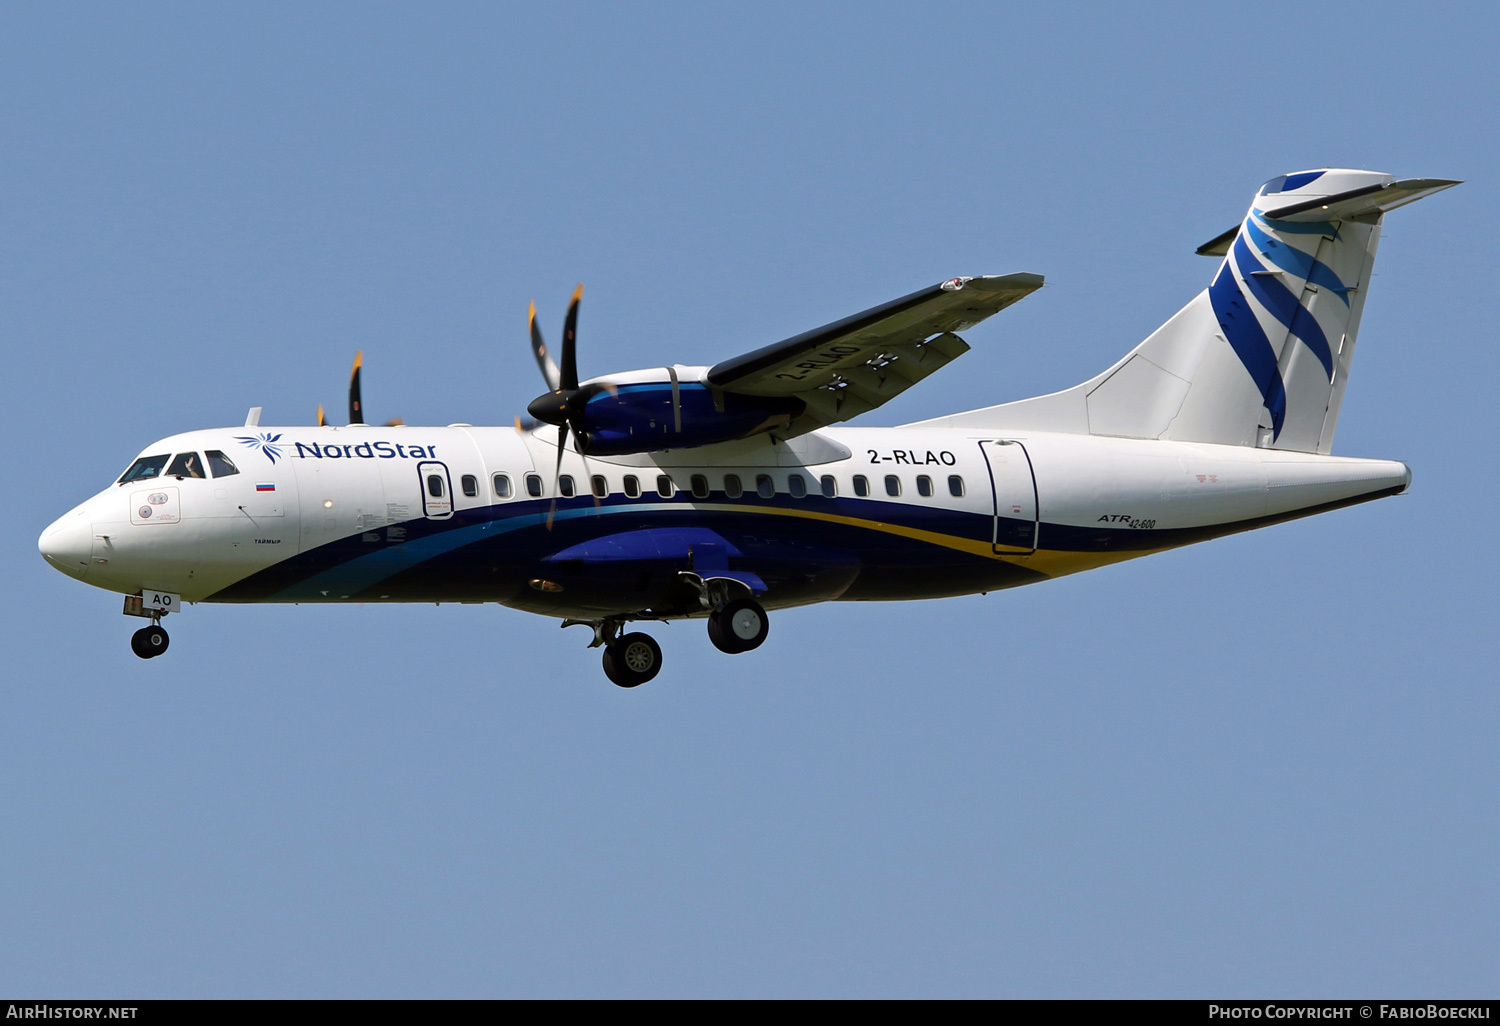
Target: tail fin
{"points": [[1261, 357]]}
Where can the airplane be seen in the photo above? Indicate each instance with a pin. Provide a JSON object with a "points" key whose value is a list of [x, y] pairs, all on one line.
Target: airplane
{"points": [[720, 492]]}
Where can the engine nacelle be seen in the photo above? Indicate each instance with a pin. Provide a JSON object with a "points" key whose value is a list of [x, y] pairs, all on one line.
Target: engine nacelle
{"points": [[643, 416]]}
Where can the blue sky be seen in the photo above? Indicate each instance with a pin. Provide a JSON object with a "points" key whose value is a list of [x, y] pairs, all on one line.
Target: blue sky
{"points": [[1260, 766]]}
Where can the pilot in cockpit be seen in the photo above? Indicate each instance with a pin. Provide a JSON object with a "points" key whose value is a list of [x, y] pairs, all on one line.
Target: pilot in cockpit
{"points": [[186, 465]]}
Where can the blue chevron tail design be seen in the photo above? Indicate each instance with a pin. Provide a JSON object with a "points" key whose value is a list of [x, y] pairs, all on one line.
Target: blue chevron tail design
{"points": [[1248, 340], [1297, 262], [1284, 306]]}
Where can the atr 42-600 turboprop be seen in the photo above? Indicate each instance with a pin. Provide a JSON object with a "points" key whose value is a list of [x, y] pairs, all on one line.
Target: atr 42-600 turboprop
{"points": [[720, 492]]}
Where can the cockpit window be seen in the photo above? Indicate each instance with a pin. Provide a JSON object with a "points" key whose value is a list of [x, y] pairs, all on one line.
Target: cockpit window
{"points": [[220, 464], [145, 468], [187, 464]]}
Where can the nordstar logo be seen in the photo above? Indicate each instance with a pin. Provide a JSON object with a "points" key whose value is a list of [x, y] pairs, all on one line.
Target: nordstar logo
{"points": [[266, 443]]}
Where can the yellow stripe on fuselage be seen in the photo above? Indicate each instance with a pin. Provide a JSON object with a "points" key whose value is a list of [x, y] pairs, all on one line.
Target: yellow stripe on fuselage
{"points": [[1048, 562]]}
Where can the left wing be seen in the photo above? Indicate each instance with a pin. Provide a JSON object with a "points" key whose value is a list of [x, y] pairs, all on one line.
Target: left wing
{"points": [[853, 365]]}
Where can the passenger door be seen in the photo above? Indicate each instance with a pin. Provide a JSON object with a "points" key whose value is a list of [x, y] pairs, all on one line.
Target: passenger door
{"points": [[1013, 485], [437, 490]]}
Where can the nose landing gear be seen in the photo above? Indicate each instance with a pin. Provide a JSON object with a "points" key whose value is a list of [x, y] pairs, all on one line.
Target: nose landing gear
{"points": [[149, 642]]}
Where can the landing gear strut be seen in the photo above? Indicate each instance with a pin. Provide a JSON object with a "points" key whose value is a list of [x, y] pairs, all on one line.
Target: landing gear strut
{"points": [[149, 642], [738, 626]]}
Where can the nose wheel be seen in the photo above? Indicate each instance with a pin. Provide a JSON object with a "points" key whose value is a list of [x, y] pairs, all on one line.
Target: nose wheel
{"points": [[632, 660], [738, 627], [149, 642]]}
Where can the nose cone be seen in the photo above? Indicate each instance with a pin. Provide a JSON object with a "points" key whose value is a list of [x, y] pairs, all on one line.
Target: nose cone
{"points": [[68, 543]]}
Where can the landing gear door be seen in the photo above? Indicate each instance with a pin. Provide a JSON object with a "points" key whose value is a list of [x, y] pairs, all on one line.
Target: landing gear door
{"points": [[437, 490], [1014, 487]]}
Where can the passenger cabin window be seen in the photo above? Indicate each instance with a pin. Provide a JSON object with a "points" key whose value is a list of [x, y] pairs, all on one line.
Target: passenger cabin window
{"points": [[632, 487], [830, 486], [924, 486], [501, 483], [470, 484], [534, 485], [892, 484], [145, 468], [797, 485], [732, 487], [187, 464], [764, 486], [601, 486], [664, 486], [434, 486], [565, 486], [955, 486], [700, 486], [220, 464], [861, 485]]}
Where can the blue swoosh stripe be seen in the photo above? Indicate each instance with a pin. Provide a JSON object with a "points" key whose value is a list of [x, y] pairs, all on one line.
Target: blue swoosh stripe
{"points": [[1278, 299], [362, 572], [1327, 228], [1248, 340], [1299, 263]]}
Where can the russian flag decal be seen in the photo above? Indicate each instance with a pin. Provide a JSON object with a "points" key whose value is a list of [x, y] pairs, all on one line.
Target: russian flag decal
{"points": [[265, 486]]}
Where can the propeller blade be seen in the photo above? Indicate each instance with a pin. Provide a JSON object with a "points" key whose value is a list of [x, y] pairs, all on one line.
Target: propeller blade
{"points": [[395, 422], [569, 380], [321, 421], [562, 441], [676, 400], [544, 360], [356, 411]]}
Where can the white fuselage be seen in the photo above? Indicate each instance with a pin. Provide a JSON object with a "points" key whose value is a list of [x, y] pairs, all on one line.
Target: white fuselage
{"points": [[364, 496]]}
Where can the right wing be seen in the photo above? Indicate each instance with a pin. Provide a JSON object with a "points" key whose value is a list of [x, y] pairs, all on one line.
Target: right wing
{"points": [[853, 365]]}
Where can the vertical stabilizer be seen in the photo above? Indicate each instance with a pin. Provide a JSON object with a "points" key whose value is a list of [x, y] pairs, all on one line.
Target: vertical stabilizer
{"points": [[1261, 357]]}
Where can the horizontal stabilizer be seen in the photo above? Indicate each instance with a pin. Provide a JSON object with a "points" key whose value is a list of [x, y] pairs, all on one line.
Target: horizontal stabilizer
{"points": [[1218, 246], [1369, 202], [1364, 203]]}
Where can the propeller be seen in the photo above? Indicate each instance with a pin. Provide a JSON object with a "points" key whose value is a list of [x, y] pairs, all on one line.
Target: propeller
{"points": [[356, 409], [356, 403], [562, 405]]}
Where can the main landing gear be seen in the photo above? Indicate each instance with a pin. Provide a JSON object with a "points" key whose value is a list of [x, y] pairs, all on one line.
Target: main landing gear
{"points": [[739, 626], [630, 660]]}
